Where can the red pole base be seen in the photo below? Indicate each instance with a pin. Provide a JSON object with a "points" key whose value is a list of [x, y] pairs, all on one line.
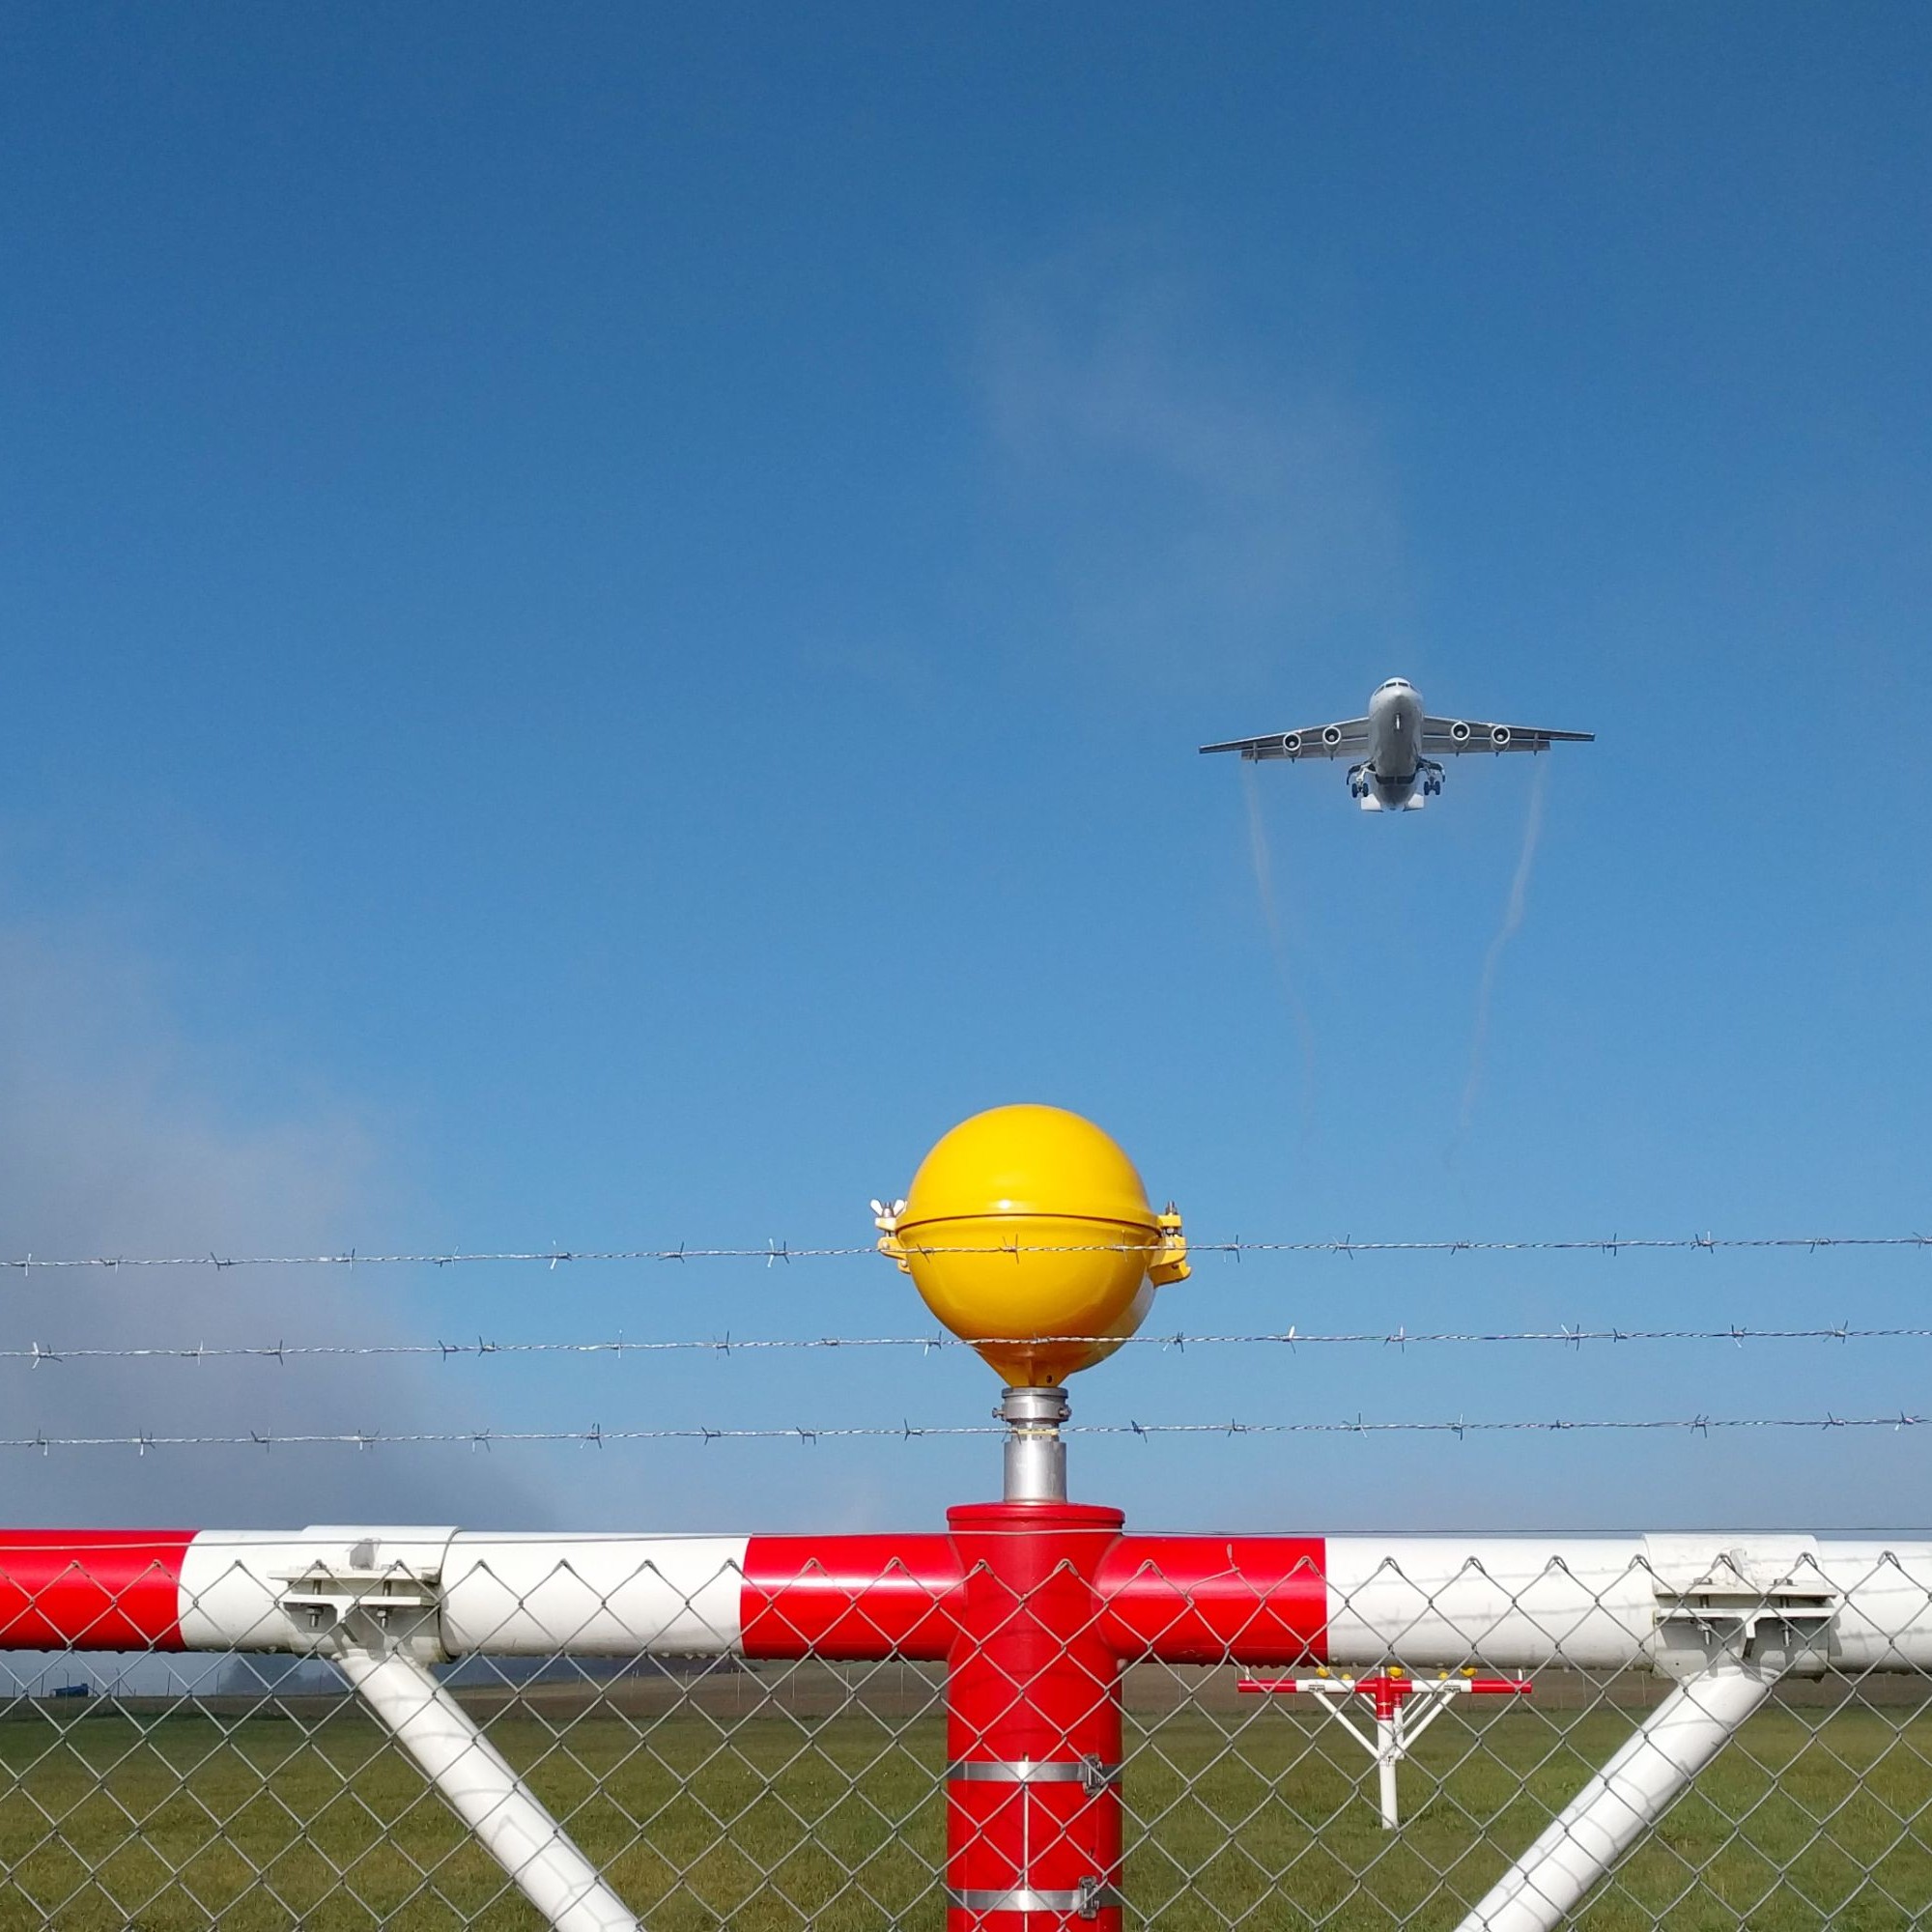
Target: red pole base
{"points": [[1032, 1811]]}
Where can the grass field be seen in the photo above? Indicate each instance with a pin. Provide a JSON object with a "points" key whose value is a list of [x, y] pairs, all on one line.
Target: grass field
{"points": [[730, 1806]]}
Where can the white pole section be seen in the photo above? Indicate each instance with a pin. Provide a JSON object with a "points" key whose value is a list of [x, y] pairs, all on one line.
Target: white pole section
{"points": [[500, 1595], [483, 1791], [1631, 1793], [1387, 1753]]}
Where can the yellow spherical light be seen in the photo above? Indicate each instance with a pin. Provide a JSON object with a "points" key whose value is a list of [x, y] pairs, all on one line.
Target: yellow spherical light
{"points": [[1028, 1234]]}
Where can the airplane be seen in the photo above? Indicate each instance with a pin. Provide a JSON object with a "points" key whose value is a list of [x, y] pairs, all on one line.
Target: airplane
{"points": [[1394, 770]]}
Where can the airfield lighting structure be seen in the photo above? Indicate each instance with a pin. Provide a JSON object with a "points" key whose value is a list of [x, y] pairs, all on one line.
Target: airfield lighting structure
{"points": [[1402, 1707]]}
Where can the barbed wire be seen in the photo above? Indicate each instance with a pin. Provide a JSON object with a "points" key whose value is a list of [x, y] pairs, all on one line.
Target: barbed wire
{"points": [[36, 1355], [775, 1252], [596, 1436]]}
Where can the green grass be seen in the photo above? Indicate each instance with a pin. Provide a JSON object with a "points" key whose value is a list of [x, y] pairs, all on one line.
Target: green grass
{"points": [[766, 1810]]}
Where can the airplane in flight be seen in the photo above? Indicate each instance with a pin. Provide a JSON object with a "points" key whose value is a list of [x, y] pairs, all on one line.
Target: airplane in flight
{"points": [[1397, 745]]}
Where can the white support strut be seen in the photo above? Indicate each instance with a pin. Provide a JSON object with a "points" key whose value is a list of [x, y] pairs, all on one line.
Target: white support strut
{"points": [[477, 1784], [1627, 1795]]}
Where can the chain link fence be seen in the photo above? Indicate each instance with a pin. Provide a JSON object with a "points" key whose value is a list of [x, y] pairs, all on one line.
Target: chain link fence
{"points": [[342, 1729]]}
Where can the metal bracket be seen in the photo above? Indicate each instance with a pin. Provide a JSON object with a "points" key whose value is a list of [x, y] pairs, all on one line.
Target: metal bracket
{"points": [[1090, 1897], [395, 1604], [1095, 1896], [1092, 1774], [1783, 1628]]}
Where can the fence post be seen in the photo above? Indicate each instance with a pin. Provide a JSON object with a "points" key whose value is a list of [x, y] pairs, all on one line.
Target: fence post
{"points": [[1033, 1738]]}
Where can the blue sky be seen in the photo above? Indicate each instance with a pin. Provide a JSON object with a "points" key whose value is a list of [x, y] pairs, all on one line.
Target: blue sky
{"points": [[608, 617]]}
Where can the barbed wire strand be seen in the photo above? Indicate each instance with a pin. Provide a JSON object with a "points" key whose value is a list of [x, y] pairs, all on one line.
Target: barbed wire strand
{"points": [[36, 1355], [775, 1251], [598, 1436]]}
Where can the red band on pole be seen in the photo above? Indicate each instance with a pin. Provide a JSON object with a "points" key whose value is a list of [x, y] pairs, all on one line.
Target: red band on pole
{"points": [[1217, 1599], [92, 1589], [851, 1597], [1184, 1599]]}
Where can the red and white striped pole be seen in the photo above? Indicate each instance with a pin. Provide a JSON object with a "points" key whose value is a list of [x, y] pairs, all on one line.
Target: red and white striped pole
{"points": [[1504, 1603], [1035, 1605]]}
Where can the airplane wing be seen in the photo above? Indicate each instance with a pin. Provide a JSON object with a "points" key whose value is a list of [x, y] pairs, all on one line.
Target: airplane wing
{"points": [[1451, 735], [1346, 739]]}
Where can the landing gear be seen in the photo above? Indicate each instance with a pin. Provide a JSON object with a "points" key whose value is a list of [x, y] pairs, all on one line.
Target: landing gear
{"points": [[1432, 780], [1358, 781]]}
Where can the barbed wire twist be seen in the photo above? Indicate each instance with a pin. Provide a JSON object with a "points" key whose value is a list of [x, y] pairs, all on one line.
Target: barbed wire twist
{"points": [[36, 1355], [775, 1252], [596, 1435]]}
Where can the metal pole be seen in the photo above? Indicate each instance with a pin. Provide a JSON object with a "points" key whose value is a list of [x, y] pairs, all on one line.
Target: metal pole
{"points": [[1036, 1455], [1387, 1755], [1387, 1690]]}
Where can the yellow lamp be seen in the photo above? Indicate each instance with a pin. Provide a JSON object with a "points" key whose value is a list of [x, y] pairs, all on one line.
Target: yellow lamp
{"points": [[1028, 1233]]}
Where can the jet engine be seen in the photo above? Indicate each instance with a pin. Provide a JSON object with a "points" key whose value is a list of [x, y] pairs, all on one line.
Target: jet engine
{"points": [[1499, 736]]}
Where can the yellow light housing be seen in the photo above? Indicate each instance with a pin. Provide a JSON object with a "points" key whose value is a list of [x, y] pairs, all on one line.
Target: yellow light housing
{"points": [[1028, 1234]]}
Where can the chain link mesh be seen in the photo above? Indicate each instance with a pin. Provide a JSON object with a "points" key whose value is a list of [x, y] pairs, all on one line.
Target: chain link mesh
{"points": [[155, 1788]]}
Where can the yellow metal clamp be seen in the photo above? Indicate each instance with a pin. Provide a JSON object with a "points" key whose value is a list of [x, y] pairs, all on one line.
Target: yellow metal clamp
{"points": [[885, 1218], [1170, 1263]]}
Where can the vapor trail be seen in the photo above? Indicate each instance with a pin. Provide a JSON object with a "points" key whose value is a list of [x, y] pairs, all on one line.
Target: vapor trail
{"points": [[1259, 854], [1512, 918]]}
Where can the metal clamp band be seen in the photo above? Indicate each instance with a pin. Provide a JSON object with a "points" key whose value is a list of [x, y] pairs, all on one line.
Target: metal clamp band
{"points": [[1086, 1900], [1091, 1773]]}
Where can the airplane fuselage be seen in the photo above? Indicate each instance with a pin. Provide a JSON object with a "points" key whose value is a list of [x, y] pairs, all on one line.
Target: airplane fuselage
{"points": [[1386, 780]]}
